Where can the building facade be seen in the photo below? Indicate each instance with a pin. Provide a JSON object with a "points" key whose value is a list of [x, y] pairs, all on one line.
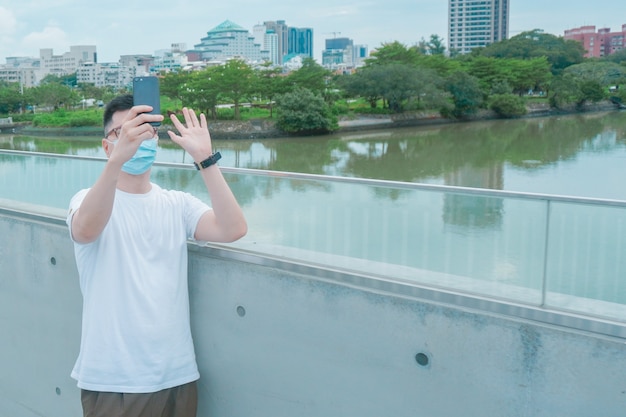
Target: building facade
{"points": [[106, 74], [69, 62], [476, 23], [598, 43], [343, 54], [300, 41], [230, 41]]}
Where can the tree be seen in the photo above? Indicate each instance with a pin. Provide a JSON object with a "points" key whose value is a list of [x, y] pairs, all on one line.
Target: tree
{"points": [[234, 81], [560, 53], [394, 52], [604, 72], [303, 112], [200, 90], [174, 85], [435, 46], [269, 83], [311, 76], [507, 105], [53, 95], [467, 95], [11, 98]]}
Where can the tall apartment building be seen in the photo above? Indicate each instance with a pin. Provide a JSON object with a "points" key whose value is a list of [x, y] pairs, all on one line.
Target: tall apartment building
{"points": [[476, 23], [598, 43]]}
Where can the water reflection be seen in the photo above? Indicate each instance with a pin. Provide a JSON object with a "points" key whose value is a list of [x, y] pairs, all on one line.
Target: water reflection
{"points": [[576, 155]]}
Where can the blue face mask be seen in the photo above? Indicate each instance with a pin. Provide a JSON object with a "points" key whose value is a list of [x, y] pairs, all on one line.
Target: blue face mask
{"points": [[143, 158]]}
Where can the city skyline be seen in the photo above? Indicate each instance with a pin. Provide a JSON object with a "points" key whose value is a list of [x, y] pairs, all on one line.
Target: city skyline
{"points": [[124, 28]]}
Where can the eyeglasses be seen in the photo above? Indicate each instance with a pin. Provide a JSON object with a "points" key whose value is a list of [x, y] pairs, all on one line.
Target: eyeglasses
{"points": [[116, 130]]}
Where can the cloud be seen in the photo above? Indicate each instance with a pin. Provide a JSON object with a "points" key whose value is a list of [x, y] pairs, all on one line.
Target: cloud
{"points": [[50, 37], [8, 22]]}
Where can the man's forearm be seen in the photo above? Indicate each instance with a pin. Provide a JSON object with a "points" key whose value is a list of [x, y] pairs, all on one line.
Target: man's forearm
{"points": [[229, 219], [95, 210]]}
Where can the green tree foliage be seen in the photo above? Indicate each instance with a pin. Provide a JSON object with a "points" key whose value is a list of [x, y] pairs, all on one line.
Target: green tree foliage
{"points": [[53, 95], [467, 95], [434, 46], [268, 84], [311, 76], [234, 83], [11, 98], [394, 53], [604, 72], [569, 89], [441, 64], [521, 75], [560, 53], [618, 57], [400, 86], [507, 105], [301, 111]]}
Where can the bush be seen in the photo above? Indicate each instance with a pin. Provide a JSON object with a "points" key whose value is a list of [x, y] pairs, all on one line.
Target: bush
{"points": [[303, 112], [62, 118], [508, 105]]}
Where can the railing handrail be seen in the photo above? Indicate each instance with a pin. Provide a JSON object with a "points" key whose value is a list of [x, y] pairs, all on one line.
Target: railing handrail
{"points": [[522, 195]]}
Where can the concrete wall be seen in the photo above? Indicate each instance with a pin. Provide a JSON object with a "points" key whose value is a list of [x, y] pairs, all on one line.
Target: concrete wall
{"points": [[275, 339]]}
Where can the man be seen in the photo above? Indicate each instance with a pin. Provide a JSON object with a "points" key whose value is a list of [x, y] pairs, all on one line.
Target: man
{"points": [[130, 239]]}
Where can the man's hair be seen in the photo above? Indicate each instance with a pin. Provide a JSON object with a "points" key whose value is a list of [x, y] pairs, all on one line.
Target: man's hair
{"points": [[119, 103]]}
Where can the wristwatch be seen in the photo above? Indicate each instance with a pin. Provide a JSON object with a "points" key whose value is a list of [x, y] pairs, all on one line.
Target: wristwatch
{"points": [[209, 161]]}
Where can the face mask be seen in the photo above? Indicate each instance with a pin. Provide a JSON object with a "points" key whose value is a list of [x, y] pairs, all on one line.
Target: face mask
{"points": [[143, 158]]}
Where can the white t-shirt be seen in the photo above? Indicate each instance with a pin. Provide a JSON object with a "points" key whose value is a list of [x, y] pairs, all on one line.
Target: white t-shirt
{"points": [[136, 334]]}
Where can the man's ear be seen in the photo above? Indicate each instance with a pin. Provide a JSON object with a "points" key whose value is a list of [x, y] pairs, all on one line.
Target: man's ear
{"points": [[106, 145]]}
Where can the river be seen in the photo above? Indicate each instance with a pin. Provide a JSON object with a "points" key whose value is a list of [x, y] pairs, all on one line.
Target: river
{"points": [[579, 155]]}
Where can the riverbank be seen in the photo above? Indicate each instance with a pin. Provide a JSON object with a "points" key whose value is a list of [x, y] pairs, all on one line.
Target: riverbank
{"points": [[266, 129]]}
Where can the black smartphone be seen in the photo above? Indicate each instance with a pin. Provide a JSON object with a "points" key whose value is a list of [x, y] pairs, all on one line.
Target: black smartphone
{"points": [[146, 91]]}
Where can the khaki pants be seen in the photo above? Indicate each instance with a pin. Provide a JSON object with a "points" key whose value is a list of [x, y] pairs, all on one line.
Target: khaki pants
{"points": [[181, 401]]}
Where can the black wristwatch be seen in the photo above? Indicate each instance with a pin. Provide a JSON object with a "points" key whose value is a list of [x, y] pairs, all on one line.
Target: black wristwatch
{"points": [[209, 161]]}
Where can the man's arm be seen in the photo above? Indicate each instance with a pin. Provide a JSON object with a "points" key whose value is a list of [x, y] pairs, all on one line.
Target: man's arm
{"points": [[226, 222], [95, 210]]}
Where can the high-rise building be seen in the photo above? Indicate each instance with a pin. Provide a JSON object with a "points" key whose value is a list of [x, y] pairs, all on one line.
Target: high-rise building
{"points": [[279, 27], [267, 39], [300, 41], [476, 23], [600, 43], [343, 53]]}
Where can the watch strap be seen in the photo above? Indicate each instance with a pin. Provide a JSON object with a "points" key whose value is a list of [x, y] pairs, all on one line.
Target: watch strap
{"points": [[211, 160]]}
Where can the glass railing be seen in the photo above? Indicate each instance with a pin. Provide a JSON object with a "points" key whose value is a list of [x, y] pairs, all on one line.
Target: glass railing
{"points": [[555, 252]]}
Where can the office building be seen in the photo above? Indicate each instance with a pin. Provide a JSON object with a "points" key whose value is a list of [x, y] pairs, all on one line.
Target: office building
{"points": [[268, 41], [106, 74], [280, 28], [476, 23], [598, 43], [69, 62], [343, 54], [300, 41]]}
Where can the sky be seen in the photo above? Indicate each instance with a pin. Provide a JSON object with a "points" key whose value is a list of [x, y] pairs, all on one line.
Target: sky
{"points": [[125, 27]]}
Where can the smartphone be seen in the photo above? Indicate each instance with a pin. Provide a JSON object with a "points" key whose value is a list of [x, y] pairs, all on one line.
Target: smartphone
{"points": [[146, 91]]}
